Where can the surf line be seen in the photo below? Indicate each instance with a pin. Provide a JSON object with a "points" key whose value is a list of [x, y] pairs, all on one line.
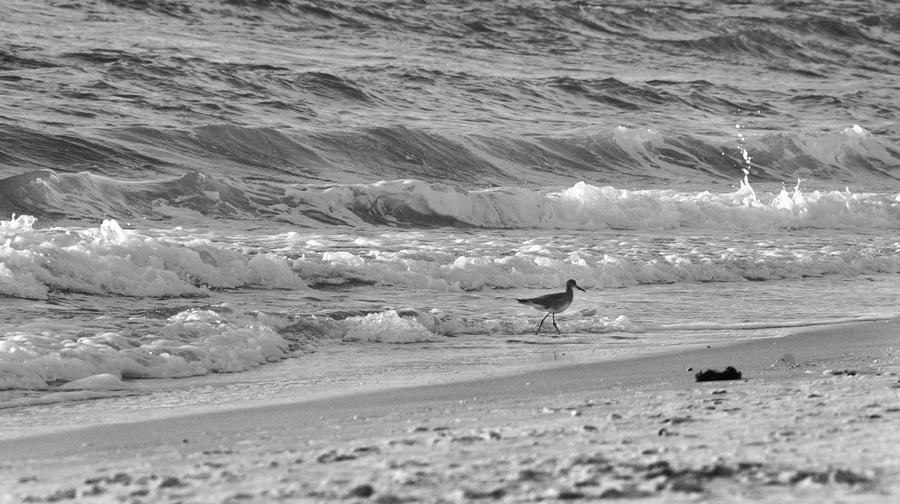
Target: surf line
{"points": [[715, 326]]}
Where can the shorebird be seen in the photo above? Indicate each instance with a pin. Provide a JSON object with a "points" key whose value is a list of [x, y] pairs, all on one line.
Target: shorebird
{"points": [[552, 303]]}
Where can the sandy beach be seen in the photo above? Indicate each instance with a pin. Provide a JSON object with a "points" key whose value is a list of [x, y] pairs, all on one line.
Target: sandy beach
{"points": [[813, 419], [257, 251]]}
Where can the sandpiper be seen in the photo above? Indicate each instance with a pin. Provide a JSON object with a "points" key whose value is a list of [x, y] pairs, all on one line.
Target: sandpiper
{"points": [[552, 303]]}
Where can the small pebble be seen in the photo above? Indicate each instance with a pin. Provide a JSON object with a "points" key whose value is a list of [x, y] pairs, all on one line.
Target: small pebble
{"points": [[170, 482], [365, 490]]}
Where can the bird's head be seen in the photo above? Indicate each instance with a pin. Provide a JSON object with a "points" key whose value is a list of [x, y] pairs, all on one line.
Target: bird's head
{"points": [[571, 283]]}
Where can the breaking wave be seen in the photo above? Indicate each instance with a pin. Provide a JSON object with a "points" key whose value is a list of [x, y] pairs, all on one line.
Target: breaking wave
{"points": [[112, 260], [197, 198]]}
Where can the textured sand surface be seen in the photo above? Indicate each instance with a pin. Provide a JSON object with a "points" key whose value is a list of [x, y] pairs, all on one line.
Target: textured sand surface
{"points": [[815, 418]]}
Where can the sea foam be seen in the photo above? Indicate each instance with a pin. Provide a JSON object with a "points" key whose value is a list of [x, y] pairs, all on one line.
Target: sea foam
{"points": [[190, 343], [112, 260]]}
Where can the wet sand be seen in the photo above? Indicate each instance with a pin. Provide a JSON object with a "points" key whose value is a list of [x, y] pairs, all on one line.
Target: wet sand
{"points": [[814, 418]]}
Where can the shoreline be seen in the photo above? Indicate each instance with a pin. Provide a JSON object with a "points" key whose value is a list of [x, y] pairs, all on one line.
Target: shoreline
{"points": [[785, 420]]}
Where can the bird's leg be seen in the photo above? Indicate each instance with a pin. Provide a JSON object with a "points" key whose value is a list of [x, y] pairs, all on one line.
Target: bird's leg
{"points": [[542, 323], [554, 324]]}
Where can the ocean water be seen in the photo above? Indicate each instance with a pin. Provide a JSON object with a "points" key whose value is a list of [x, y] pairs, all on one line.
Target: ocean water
{"points": [[216, 201]]}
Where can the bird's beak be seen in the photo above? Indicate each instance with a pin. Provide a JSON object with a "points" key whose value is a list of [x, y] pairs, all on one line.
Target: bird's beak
{"points": [[579, 288]]}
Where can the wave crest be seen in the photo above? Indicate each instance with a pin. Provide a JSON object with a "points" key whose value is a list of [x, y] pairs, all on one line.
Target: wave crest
{"points": [[196, 197]]}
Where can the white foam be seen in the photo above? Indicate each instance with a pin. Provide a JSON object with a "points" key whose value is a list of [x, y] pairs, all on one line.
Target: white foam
{"points": [[486, 260], [108, 259], [389, 327], [190, 343], [112, 260]]}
